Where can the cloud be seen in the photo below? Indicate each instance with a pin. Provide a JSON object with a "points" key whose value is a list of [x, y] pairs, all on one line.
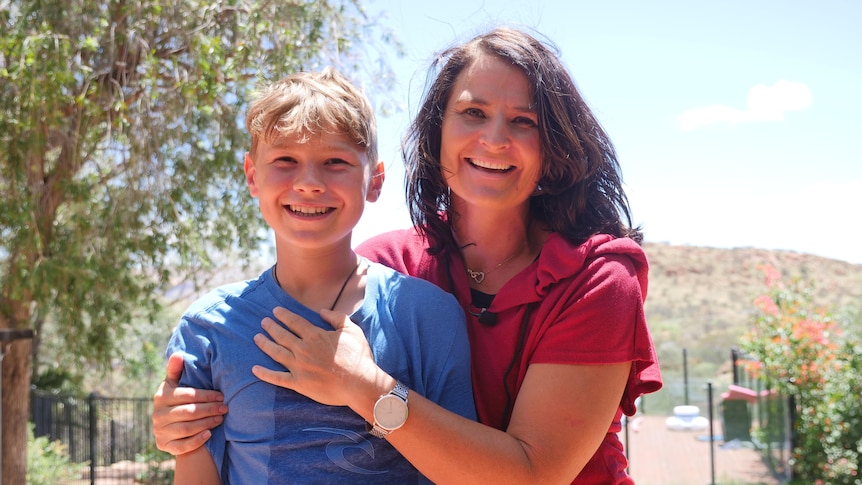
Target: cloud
{"points": [[765, 103]]}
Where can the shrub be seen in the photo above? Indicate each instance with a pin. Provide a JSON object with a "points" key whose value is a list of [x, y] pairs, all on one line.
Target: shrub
{"points": [[801, 352], [47, 461], [157, 471]]}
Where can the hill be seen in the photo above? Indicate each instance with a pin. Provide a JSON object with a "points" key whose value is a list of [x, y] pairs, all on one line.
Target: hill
{"points": [[701, 298]]}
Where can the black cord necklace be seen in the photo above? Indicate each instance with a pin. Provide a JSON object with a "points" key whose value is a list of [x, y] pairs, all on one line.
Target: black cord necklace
{"points": [[343, 285]]}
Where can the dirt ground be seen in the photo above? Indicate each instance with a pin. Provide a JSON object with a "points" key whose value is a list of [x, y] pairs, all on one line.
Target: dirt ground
{"points": [[659, 456]]}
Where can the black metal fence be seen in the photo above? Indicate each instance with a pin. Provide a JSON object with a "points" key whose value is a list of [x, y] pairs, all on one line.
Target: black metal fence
{"points": [[772, 415], [100, 431]]}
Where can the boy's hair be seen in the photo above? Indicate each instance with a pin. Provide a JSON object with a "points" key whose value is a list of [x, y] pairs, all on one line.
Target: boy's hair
{"points": [[308, 103]]}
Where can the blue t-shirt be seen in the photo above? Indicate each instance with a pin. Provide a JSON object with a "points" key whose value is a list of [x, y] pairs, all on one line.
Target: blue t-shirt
{"points": [[274, 435]]}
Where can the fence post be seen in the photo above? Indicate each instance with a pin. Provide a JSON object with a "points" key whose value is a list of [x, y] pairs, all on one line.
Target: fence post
{"points": [[628, 444], [92, 432], [711, 434], [791, 433], [685, 374], [113, 441], [71, 413], [734, 357]]}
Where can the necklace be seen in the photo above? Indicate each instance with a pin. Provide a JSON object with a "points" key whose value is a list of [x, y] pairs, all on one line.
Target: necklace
{"points": [[479, 276], [343, 285]]}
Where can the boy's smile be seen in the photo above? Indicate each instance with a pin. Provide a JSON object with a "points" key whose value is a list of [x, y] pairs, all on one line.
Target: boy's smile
{"points": [[312, 188]]}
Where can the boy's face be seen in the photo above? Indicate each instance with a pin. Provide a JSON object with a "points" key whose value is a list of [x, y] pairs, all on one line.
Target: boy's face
{"points": [[312, 193]]}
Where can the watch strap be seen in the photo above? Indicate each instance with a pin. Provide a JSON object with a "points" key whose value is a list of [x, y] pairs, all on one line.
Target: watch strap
{"points": [[399, 391]]}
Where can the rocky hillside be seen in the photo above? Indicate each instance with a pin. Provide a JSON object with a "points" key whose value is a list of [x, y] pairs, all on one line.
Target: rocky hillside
{"points": [[701, 298]]}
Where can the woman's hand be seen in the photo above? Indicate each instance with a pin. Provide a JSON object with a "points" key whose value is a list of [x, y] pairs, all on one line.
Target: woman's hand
{"points": [[183, 416], [327, 366]]}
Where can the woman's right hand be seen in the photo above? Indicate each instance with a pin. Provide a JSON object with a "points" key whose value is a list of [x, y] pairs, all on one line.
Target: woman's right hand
{"points": [[183, 416]]}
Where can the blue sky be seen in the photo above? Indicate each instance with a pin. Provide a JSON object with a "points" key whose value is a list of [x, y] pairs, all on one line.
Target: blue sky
{"points": [[737, 123]]}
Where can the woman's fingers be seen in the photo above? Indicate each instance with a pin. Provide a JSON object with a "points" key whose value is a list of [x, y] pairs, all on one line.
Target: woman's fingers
{"points": [[184, 428], [338, 320], [275, 348], [282, 379], [295, 323]]}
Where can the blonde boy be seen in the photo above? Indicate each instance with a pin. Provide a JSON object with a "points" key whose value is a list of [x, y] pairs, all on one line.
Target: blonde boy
{"points": [[312, 165]]}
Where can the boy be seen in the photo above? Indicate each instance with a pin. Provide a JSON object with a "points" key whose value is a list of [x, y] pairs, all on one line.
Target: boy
{"points": [[312, 165]]}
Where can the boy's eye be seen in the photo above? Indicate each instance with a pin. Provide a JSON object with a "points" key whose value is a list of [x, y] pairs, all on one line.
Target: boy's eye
{"points": [[337, 161]]}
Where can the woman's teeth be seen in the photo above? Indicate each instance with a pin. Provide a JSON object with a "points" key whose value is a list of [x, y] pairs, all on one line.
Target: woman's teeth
{"points": [[490, 165]]}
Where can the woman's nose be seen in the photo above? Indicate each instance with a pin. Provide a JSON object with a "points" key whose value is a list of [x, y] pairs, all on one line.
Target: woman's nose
{"points": [[495, 133]]}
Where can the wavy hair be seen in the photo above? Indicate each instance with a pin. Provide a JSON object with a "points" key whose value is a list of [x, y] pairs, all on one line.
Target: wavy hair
{"points": [[308, 103], [581, 184]]}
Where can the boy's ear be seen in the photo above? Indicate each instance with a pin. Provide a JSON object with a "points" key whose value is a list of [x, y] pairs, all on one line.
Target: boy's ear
{"points": [[248, 166], [378, 174]]}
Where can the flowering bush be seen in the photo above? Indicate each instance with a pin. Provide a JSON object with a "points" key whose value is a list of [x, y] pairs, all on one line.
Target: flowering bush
{"points": [[801, 352]]}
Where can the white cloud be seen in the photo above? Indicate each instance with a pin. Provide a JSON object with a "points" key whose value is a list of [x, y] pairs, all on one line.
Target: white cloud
{"points": [[765, 103]]}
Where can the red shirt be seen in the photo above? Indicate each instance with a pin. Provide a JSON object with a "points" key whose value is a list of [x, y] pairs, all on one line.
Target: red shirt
{"points": [[586, 307]]}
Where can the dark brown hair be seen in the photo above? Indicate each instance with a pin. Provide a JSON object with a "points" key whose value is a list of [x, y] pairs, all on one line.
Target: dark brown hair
{"points": [[581, 185]]}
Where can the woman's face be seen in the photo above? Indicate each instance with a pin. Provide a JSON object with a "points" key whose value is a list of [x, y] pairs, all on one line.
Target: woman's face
{"points": [[490, 149]]}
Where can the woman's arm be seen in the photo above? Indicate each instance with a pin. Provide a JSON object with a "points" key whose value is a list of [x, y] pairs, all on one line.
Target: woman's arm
{"points": [[196, 468], [183, 416], [560, 417]]}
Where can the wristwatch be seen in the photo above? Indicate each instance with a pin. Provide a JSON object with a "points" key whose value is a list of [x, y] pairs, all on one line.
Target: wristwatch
{"points": [[390, 411]]}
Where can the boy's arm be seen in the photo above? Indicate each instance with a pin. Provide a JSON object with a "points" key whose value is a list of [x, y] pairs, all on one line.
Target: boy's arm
{"points": [[196, 468]]}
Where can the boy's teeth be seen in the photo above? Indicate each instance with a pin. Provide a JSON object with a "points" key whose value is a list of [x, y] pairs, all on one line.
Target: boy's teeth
{"points": [[308, 210]]}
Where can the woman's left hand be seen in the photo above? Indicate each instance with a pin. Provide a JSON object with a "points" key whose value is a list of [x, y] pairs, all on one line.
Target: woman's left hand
{"points": [[323, 365]]}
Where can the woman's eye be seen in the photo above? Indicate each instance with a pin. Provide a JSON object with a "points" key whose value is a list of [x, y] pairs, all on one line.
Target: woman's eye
{"points": [[475, 112], [524, 121]]}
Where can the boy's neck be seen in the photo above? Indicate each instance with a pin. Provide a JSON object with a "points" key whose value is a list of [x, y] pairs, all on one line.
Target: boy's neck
{"points": [[322, 281]]}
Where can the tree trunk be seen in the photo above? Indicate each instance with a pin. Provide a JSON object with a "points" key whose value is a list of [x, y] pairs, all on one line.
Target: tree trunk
{"points": [[16, 410]]}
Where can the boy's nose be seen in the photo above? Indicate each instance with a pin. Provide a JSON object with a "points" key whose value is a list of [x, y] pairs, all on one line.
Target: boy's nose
{"points": [[309, 180]]}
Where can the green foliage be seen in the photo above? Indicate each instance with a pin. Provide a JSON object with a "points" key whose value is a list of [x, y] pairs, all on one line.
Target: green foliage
{"points": [[47, 461], [122, 134], [58, 380], [800, 351], [157, 472]]}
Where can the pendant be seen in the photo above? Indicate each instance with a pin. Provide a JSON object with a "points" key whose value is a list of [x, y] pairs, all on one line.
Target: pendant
{"points": [[478, 276]]}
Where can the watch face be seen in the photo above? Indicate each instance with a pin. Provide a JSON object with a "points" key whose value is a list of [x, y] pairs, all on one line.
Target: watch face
{"points": [[390, 412]]}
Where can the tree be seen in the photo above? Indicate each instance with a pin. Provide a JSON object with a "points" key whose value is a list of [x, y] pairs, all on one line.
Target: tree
{"points": [[122, 133]]}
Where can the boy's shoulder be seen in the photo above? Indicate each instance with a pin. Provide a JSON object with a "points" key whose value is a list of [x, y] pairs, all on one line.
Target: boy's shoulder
{"points": [[390, 277], [395, 287], [224, 295]]}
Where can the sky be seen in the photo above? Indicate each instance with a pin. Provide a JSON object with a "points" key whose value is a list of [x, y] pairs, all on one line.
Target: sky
{"points": [[736, 123]]}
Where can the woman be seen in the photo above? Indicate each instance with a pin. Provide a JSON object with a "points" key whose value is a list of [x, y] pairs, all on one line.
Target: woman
{"points": [[519, 211]]}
